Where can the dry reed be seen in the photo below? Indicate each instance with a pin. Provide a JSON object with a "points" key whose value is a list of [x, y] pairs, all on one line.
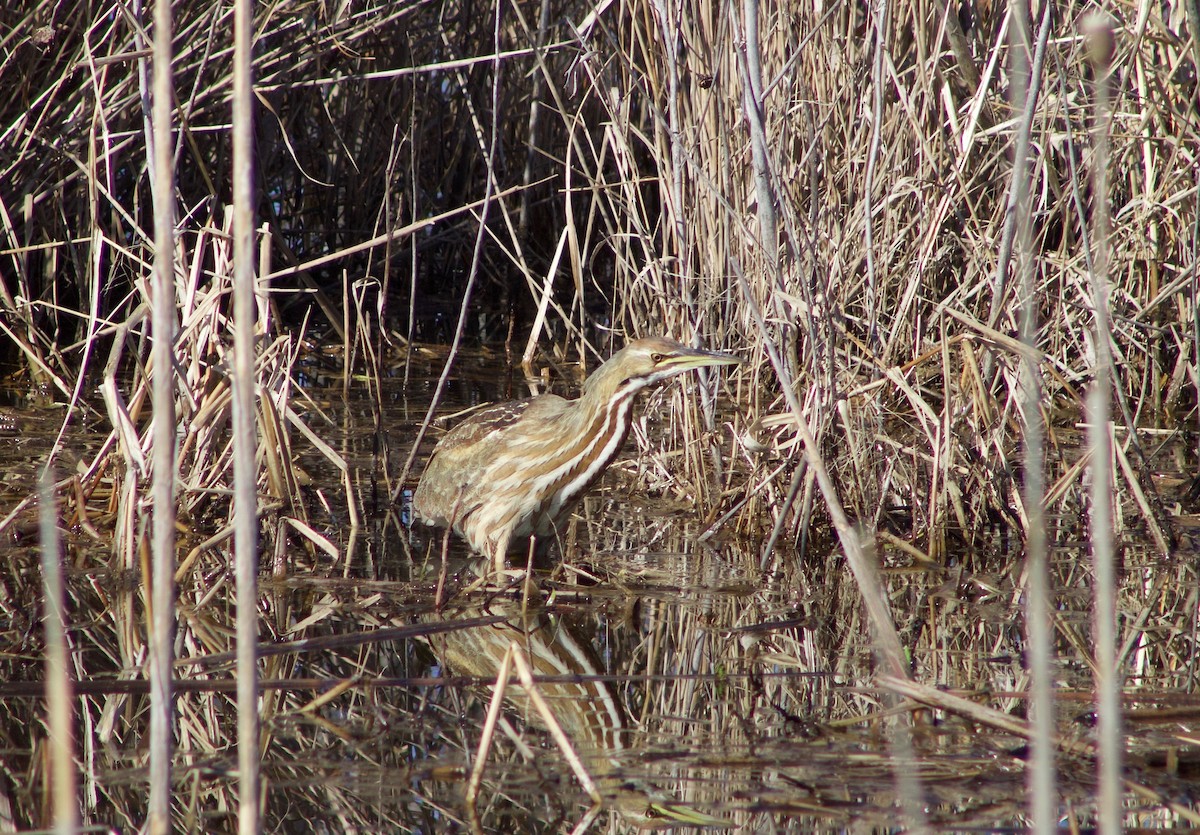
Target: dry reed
{"points": [[245, 435], [1099, 414]]}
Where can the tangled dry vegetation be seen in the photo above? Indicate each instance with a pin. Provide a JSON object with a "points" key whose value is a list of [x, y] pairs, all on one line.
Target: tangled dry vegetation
{"points": [[828, 196]]}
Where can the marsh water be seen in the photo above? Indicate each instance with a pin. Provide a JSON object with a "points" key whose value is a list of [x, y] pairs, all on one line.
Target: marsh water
{"points": [[694, 677]]}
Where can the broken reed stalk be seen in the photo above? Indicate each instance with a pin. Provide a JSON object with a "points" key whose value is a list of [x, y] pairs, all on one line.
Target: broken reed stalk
{"points": [[865, 572], [245, 434], [163, 302], [1100, 43], [860, 558]]}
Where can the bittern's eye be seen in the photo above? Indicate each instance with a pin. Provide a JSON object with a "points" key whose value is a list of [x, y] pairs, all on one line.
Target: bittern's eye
{"points": [[656, 358]]}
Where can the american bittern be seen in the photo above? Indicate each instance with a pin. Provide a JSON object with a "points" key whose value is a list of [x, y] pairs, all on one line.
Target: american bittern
{"points": [[515, 470]]}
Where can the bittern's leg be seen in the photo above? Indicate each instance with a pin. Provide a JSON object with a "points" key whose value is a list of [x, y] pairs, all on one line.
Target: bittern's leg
{"points": [[498, 556], [438, 598], [529, 589], [534, 546]]}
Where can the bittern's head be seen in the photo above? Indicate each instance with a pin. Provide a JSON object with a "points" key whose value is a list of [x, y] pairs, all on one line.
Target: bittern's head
{"points": [[647, 361]]}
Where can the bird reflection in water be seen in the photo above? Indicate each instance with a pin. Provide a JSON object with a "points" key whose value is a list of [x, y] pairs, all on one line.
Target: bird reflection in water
{"points": [[595, 732]]}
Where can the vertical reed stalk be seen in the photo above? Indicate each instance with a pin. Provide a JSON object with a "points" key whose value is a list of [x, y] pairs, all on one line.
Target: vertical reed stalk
{"points": [[58, 680], [163, 392], [879, 14], [245, 440], [1195, 300], [750, 69], [1108, 683], [1037, 598], [666, 15], [1027, 106]]}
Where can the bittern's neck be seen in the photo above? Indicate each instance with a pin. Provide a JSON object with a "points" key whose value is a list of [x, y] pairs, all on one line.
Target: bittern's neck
{"points": [[597, 423], [607, 388]]}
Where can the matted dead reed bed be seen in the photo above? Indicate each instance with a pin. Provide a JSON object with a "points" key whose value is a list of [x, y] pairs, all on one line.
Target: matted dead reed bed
{"points": [[955, 244]]}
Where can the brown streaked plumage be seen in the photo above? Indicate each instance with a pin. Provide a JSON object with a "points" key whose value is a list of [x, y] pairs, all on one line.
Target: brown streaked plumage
{"points": [[515, 470]]}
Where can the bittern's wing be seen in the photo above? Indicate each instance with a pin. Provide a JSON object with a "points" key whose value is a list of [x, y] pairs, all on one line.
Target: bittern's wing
{"points": [[473, 431], [453, 482]]}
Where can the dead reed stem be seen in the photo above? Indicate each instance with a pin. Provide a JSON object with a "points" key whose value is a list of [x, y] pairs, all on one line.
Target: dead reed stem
{"points": [[1099, 407], [1039, 624], [59, 687], [245, 436], [163, 300]]}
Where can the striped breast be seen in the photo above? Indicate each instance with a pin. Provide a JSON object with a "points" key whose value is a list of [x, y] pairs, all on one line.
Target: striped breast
{"points": [[535, 483], [562, 486]]}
